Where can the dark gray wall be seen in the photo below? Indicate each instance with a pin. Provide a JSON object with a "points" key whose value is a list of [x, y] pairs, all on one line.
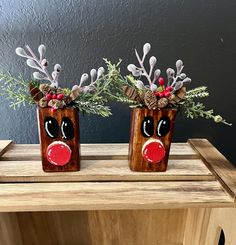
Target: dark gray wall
{"points": [[79, 34]]}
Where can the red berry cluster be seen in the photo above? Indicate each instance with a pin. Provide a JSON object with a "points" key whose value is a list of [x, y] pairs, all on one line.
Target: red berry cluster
{"points": [[50, 96], [165, 90]]}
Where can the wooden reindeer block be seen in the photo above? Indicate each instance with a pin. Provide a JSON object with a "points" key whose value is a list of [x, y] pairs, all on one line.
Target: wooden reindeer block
{"points": [[59, 139], [150, 139]]}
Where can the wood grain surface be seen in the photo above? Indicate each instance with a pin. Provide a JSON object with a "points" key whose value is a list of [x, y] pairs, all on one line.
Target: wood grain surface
{"points": [[4, 145], [45, 140], [217, 163], [117, 227], [21, 152], [106, 203], [112, 195], [100, 163], [137, 140], [204, 225], [103, 170]]}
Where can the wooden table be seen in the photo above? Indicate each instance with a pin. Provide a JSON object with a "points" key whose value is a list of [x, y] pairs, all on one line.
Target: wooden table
{"points": [[105, 203]]}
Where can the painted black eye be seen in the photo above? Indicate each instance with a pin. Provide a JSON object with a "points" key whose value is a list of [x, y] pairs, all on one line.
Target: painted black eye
{"points": [[147, 127], [67, 129], [51, 127], [163, 126]]}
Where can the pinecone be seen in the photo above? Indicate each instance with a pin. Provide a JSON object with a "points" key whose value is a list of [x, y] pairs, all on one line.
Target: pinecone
{"points": [[67, 99], [75, 93], [56, 104], [162, 102], [35, 93], [43, 102], [132, 93], [44, 88], [178, 96], [181, 93], [141, 96], [60, 91], [150, 100], [172, 99]]}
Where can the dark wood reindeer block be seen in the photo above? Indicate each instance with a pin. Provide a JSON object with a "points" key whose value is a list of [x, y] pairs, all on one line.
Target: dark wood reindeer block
{"points": [[59, 139], [150, 139]]}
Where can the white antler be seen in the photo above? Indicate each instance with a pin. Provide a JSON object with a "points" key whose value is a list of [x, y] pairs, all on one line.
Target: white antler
{"points": [[141, 71], [177, 81], [40, 64]]}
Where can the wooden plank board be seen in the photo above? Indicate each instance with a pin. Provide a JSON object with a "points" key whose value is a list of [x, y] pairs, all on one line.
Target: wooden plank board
{"points": [[103, 170], [95, 151], [123, 227], [4, 145], [217, 164], [112, 196]]}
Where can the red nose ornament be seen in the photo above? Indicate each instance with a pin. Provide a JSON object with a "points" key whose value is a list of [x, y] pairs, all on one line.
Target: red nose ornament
{"points": [[58, 153], [153, 151]]}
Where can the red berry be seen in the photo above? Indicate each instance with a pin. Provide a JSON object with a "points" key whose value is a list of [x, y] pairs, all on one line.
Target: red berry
{"points": [[167, 94], [53, 110], [48, 97], [60, 96], [162, 94], [54, 96], [157, 94], [169, 88], [161, 81]]}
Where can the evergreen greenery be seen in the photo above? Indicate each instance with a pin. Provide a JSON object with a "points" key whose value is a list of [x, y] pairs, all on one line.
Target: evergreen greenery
{"points": [[15, 90], [187, 106]]}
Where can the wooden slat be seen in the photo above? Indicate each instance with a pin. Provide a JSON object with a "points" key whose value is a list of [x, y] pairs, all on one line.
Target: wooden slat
{"points": [[217, 163], [103, 170], [111, 196], [95, 151], [196, 226], [123, 227], [4, 145]]}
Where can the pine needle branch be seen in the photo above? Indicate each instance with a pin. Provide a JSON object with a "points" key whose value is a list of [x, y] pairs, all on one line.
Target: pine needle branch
{"points": [[15, 89], [117, 82], [93, 108], [192, 109], [199, 92]]}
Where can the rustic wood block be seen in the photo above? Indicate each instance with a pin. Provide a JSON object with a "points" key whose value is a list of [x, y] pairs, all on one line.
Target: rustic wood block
{"points": [[150, 139], [59, 139]]}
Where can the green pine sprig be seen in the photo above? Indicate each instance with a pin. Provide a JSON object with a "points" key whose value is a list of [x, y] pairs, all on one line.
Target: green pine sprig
{"points": [[15, 89], [117, 82], [192, 109], [187, 106], [199, 92], [93, 108]]}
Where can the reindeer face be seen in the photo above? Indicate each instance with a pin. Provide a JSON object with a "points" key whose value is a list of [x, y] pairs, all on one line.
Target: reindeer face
{"points": [[59, 137], [151, 135]]}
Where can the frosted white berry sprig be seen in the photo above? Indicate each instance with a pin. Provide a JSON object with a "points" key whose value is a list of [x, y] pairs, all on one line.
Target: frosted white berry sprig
{"points": [[176, 80], [95, 75], [40, 64], [151, 75]]}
